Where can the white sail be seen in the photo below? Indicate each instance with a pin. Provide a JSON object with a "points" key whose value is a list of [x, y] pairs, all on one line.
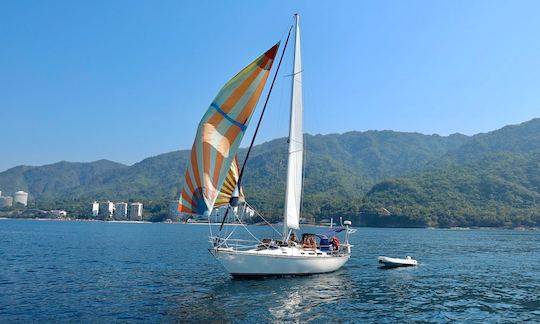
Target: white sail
{"points": [[293, 196]]}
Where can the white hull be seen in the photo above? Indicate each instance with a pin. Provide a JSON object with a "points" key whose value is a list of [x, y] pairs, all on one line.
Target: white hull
{"points": [[397, 262], [282, 261]]}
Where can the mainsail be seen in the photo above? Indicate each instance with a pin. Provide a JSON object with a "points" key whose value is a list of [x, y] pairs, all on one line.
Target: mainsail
{"points": [[219, 134], [293, 194]]}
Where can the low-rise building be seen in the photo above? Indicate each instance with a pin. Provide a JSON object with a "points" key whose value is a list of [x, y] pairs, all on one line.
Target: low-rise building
{"points": [[58, 213]]}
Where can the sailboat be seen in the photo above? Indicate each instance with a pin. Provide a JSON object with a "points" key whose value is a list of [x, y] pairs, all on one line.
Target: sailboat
{"points": [[213, 178]]}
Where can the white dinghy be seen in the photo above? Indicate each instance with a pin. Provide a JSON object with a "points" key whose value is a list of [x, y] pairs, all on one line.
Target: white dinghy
{"points": [[397, 262], [214, 179]]}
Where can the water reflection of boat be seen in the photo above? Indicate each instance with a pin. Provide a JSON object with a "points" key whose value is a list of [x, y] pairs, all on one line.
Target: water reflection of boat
{"points": [[271, 300]]}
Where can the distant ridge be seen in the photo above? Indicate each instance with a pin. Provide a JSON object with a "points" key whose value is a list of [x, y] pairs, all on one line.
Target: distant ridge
{"points": [[412, 175]]}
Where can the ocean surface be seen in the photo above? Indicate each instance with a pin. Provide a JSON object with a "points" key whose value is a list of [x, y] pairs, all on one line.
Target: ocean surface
{"points": [[53, 271]]}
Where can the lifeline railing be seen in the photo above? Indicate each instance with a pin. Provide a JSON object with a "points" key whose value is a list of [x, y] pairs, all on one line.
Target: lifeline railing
{"points": [[235, 244], [243, 245]]}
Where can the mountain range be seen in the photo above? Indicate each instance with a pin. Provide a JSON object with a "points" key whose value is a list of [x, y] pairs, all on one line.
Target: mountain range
{"points": [[378, 178]]}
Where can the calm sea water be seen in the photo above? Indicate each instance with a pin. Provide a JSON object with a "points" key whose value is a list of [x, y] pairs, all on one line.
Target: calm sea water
{"points": [[100, 272]]}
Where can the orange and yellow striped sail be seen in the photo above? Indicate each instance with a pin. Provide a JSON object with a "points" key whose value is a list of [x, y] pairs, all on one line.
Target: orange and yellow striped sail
{"points": [[219, 134], [229, 185]]}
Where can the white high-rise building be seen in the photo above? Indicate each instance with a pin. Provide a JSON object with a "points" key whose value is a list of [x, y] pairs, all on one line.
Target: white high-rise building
{"points": [[95, 209], [120, 211], [21, 197], [106, 209], [136, 211]]}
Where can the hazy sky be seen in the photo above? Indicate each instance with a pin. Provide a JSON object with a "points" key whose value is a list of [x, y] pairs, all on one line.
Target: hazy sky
{"points": [[124, 80]]}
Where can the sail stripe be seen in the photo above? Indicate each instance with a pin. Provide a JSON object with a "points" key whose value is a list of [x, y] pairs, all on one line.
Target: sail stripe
{"points": [[188, 199], [224, 114], [229, 185], [195, 169], [219, 135], [238, 93]]}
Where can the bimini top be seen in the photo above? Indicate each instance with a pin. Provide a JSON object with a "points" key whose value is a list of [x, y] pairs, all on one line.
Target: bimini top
{"points": [[331, 232]]}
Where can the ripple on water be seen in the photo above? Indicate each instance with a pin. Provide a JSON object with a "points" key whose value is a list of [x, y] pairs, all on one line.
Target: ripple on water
{"points": [[75, 271]]}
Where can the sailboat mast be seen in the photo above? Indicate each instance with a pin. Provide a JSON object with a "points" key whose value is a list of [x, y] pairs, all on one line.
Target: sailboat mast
{"points": [[293, 194]]}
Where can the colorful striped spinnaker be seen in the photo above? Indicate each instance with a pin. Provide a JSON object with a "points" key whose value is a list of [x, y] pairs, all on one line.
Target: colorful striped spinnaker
{"points": [[229, 185], [219, 135]]}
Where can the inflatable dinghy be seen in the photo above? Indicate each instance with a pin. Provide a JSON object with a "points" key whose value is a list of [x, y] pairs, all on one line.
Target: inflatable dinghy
{"points": [[397, 262]]}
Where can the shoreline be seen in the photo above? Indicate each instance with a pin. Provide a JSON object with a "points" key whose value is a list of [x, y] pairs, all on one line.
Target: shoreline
{"points": [[518, 228]]}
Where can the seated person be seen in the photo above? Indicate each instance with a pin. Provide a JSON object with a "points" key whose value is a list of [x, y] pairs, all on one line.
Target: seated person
{"points": [[293, 239], [309, 243]]}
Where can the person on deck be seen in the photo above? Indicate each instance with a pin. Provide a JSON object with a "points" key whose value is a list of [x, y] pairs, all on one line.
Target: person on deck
{"points": [[309, 243], [335, 243], [292, 239]]}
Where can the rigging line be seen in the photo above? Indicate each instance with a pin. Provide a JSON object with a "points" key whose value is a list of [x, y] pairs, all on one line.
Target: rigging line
{"points": [[247, 230], [293, 74], [264, 219], [240, 176], [292, 20]]}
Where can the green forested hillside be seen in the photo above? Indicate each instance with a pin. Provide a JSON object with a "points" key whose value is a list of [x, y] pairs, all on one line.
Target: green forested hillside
{"points": [[56, 179], [521, 138], [493, 179], [379, 178], [339, 170], [501, 189]]}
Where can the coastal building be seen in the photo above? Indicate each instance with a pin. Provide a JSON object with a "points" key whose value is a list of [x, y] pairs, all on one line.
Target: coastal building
{"points": [[136, 211], [106, 209], [174, 214], [248, 212], [217, 215], [6, 202], [21, 197], [58, 213], [95, 209], [120, 211]]}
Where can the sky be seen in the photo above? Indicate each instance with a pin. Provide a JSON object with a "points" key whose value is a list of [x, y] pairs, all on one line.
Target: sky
{"points": [[125, 80]]}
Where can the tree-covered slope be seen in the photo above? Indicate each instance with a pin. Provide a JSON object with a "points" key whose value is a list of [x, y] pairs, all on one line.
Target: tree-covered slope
{"points": [[493, 179], [56, 179], [521, 138], [489, 179], [339, 170], [500, 189]]}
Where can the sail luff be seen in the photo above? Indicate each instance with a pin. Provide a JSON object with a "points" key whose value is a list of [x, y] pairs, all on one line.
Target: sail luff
{"points": [[293, 195]]}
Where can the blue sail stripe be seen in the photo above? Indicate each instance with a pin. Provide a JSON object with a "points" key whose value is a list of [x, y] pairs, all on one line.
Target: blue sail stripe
{"points": [[216, 107]]}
